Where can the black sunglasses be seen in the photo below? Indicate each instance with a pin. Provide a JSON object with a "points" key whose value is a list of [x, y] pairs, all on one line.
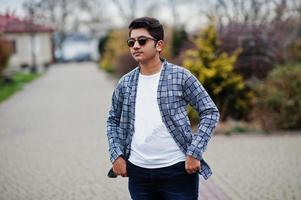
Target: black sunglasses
{"points": [[141, 40]]}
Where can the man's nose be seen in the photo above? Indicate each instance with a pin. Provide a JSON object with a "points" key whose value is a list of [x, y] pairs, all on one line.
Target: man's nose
{"points": [[136, 45]]}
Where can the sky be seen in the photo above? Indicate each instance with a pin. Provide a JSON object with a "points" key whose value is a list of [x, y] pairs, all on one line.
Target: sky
{"points": [[15, 5], [188, 13]]}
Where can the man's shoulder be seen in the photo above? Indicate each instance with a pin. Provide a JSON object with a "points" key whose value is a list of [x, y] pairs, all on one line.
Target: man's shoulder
{"points": [[177, 69], [125, 79]]}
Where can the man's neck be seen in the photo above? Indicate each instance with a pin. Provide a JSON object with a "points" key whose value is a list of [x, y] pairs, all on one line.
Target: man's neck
{"points": [[151, 67]]}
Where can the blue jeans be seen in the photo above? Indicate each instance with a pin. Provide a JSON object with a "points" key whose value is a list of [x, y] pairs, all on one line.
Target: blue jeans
{"points": [[167, 183]]}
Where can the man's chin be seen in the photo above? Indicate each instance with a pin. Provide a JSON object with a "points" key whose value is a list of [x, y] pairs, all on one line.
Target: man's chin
{"points": [[138, 59]]}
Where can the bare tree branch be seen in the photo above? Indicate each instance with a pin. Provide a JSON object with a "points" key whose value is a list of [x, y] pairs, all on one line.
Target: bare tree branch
{"points": [[66, 16], [128, 10]]}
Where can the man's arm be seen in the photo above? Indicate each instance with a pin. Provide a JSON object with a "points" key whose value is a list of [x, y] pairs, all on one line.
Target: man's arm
{"points": [[196, 95], [113, 124], [119, 163]]}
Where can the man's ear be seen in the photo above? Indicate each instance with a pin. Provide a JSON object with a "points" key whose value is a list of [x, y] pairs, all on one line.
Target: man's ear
{"points": [[160, 45]]}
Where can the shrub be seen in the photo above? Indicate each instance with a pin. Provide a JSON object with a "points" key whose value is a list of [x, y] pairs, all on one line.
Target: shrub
{"points": [[115, 46], [102, 43], [125, 63], [278, 104], [179, 36], [295, 50], [258, 50], [215, 71], [5, 53]]}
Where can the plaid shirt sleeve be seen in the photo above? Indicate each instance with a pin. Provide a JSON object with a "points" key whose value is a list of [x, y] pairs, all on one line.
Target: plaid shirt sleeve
{"points": [[113, 122], [196, 95]]}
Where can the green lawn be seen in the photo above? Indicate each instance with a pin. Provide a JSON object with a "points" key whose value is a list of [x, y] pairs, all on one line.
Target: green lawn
{"points": [[18, 80]]}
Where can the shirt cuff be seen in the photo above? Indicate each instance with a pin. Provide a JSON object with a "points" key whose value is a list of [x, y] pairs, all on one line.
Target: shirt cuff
{"points": [[115, 153], [195, 153]]}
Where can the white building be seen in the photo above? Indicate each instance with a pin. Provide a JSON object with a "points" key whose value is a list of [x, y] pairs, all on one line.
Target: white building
{"points": [[32, 44]]}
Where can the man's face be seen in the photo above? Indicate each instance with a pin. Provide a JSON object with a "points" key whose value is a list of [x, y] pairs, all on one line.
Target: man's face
{"points": [[148, 48]]}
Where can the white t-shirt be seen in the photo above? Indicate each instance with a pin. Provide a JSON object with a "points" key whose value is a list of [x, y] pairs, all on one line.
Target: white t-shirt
{"points": [[152, 145]]}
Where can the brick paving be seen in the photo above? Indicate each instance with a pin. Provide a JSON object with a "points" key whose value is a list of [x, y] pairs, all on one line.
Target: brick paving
{"points": [[53, 146], [256, 166], [52, 138], [210, 191]]}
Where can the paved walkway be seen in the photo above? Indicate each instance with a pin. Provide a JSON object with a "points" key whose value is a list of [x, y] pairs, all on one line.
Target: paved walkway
{"points": [[52, 138], [53, 146], [257, 167]]}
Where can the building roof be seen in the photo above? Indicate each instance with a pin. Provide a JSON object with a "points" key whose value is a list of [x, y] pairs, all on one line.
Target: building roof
{"points": [[13, 24]]}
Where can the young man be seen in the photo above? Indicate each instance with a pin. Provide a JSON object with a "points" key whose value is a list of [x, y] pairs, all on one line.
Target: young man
{"points": [[149, 133]]}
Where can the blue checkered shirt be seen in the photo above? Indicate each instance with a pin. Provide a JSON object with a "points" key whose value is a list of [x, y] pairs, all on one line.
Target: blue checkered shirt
{"points": [[177, 88]]}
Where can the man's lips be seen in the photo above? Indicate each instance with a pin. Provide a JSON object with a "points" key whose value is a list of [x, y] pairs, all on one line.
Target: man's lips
{"points": [[137, 53]]}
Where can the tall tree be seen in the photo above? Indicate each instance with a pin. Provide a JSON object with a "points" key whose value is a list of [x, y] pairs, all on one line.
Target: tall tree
{"points": [[263, 29], [67, 16], [126, 9]]}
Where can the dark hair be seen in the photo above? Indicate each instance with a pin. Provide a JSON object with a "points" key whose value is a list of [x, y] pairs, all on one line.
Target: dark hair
{"points": [[152, 25]]}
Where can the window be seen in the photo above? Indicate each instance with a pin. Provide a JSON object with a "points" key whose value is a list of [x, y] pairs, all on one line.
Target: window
{"points": [[13, 46]]}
